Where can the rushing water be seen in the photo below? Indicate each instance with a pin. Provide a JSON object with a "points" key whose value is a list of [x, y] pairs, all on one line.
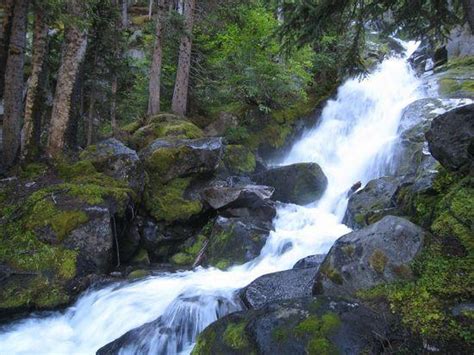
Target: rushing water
{"points": [[353, 142]]}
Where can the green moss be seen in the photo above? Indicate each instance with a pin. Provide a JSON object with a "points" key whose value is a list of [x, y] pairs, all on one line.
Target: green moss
{"points": [[131, 127], [205, 343], [332, 274], [234, 336], [239, 159], [280, 334], [349, 250], [141, 258], [441, 276], [317, 330], [138, 274], [182, 259], [167, 202], [222, 264], [378, 261], [162, 160], [33, 170]]}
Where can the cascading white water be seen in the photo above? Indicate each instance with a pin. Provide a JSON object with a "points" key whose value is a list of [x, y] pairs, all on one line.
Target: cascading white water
{"points": [[352, 143]]}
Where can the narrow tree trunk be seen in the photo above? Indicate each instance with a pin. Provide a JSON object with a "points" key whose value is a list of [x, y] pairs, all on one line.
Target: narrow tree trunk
{"points": [[33, 97], [150, 9], [180, 94], [113, 106], [124, 14], [13, 99], [5, 31], [91, 119], [73, 55], [155, 70], [469, 10]]}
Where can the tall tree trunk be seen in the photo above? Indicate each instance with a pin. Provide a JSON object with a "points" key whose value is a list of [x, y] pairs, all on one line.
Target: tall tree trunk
{"points": [[113, 106], [91, 119], [155, 70], [124, 14], [29, 144], [5, 31], [469, 11], [180, 94], [13, 98], [73, 55]]}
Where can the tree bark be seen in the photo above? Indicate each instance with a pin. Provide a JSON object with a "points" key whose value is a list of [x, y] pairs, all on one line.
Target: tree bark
{"points": [[73, 55], [180, 94], [124, 14], [155, 70], [29, 144], [113, 106], [91, 120], [469, 11], [5, 31], [13, 98]]}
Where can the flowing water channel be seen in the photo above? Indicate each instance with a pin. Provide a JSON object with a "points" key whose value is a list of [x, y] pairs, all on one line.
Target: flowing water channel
{"points": [[353, 142]]}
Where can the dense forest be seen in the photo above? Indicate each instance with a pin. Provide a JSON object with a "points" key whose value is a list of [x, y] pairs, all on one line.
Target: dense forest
{"points": [[142, 137]]}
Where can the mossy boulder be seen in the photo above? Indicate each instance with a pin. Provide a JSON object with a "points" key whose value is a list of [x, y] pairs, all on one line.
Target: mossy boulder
{"points": [[239, 159], [297, 326], [167, 159], [236, 241], [372, 203], [165, 126], [55, 231], [301, 183], [455, 78], [369, 257], [112, 158], [451, 139]]}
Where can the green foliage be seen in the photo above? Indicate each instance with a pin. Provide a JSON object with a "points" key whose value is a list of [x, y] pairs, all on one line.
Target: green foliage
{"points": [[318, 329], [243, 62]]}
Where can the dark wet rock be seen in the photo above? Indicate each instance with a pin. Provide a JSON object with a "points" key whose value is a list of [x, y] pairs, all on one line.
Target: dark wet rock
{"points": [[374, 201], [284, 285], [379, 253], [463, 310], [114, 159], [420, 59], [460, 42], [298, 326], [167, 159], [310, 261], [240, 200], [129, 241], [451, 138], [164, 337], [301, 183], [236, 240]]}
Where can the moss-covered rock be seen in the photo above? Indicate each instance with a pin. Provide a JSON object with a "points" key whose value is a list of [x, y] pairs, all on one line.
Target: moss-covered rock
{"points": [[163, 126], [455, 79], [236, 241], [189, 253], [298, 326], [239, 159]]}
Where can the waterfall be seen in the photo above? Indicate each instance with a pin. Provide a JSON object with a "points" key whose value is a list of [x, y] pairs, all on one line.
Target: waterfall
{"points": [[353, 142]]}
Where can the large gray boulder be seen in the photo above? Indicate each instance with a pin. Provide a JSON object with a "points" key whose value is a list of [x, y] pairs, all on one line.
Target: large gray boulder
{"points": [[300, 183], [298, 326], [379, 253], [167, 159], [451, 138], [284, 285], [374, 201], [114, 159]]}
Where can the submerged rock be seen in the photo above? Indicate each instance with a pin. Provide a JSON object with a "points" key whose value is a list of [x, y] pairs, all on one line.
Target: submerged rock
{"points": [[451, 139], [297, 326], [379, 253], [284, 285], [301, 183]]}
